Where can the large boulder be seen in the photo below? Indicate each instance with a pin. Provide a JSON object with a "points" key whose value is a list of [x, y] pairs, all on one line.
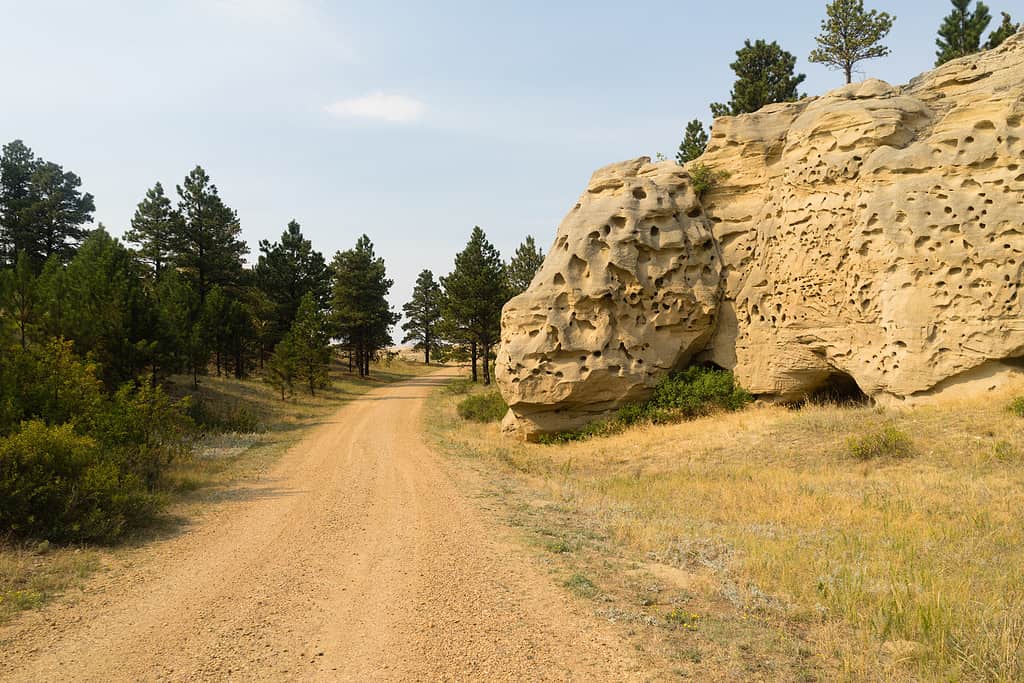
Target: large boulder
{"points": [[874, 236]]}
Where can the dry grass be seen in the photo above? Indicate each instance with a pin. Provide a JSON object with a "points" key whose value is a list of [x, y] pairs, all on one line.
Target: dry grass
{"points": [[907, 566], [31, 574]]}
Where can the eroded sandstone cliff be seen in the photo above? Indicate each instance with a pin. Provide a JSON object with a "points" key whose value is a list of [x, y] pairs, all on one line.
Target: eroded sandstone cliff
{"points": [[873, 235]]}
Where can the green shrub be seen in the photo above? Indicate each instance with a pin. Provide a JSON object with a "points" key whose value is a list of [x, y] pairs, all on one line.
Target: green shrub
{"points": [[888, 442], [1017, 406], [581, 586], [682, 395], [62, 486], [486, 407], [704, 178]]}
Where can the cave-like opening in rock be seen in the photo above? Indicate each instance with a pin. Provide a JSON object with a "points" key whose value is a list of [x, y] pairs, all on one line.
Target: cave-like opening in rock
{"points": [[839, 388]]}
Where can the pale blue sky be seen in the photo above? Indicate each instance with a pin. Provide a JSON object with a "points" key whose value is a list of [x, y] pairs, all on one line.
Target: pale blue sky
{"points": [[409, 121]]}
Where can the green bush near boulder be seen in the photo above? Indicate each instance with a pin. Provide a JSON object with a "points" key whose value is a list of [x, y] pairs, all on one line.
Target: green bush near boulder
{"points": [[485, 407]]}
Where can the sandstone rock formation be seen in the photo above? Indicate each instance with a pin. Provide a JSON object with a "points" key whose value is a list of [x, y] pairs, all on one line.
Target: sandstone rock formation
{"points": [[873, 235]]}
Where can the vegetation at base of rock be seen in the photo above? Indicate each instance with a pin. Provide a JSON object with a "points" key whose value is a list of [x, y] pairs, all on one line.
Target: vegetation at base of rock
{"points": [[703, 178], [484, 407], [765, 74], [850, 34], [693, 392], [1017, 406], [761, 523], [887, 442]]}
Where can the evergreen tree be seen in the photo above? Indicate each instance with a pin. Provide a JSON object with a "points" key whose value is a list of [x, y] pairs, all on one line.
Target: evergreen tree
{"points": [[19, 298], [475, 292], [283, 367], [227, 327], [850, 35], [107, 313], [286, 272], [42, 210], [361, 313], [309, 340], [695, 141], [523, 266], [961, 31], [764, 75], [154, 227], [17, 164], [207, 243], [1005, 29], [176, 306], [422, 314]]}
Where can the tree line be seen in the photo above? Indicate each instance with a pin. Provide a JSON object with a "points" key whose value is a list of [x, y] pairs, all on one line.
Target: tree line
{"points": [[850, 34], [92, 328]]}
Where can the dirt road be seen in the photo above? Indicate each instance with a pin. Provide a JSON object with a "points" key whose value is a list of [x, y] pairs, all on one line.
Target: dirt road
{"points": [[359, 556]]}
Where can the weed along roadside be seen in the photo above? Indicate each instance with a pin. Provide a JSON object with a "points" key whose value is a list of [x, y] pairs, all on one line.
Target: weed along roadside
{"points": [[242, 427], [825, 542]]}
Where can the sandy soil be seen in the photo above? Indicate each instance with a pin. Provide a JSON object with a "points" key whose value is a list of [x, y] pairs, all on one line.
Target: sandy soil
{"points": [[361, 555]]}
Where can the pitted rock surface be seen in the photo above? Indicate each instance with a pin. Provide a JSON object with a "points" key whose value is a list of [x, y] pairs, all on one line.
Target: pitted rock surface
{"points": [[874, 234]]}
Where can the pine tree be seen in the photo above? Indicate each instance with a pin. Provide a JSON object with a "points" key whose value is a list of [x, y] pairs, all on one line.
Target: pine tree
{"points": [[19, 297], [523, 266], [695, 141], [310, 340], [175, 304], [422, 314], [16, 166], [850, 35], [207, 243], [961, 31], [283, 367], [361, 313], [286, 272], [475, 292], [154, 227], [42, 210], [764, 75], [1005, 29], [107, 313]]}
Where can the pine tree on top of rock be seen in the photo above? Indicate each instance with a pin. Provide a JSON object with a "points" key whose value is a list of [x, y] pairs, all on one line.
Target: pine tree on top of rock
{"points": [[961, 31], [765, 74], [1005, 29], [695, 141], [850, 34]]}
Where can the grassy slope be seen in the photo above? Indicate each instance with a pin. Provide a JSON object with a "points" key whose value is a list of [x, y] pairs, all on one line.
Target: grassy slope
{"points": [[753, 546], [31, 575]]}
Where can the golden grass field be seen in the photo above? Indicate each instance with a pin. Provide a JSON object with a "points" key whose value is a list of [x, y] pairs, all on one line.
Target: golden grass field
{"points": [[258, 428], [755, 546]]}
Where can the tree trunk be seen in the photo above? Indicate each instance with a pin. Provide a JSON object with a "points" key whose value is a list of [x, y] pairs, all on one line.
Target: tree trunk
{"points": [[487, 364], [366, 363], [472, 355], [849, 73]]}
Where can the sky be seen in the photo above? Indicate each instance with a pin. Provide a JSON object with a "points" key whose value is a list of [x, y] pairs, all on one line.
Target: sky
{"points": [[410, 122]]}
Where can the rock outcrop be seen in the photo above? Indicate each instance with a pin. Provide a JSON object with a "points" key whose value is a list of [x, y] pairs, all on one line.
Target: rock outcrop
{"points": [[873, 235]]}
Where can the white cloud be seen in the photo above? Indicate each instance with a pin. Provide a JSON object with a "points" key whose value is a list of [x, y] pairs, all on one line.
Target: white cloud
{"points": [[379, 106]]}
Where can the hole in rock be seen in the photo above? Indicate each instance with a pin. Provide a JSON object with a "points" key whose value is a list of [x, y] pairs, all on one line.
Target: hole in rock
{"points": [[639, 193], [840, 388]]}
